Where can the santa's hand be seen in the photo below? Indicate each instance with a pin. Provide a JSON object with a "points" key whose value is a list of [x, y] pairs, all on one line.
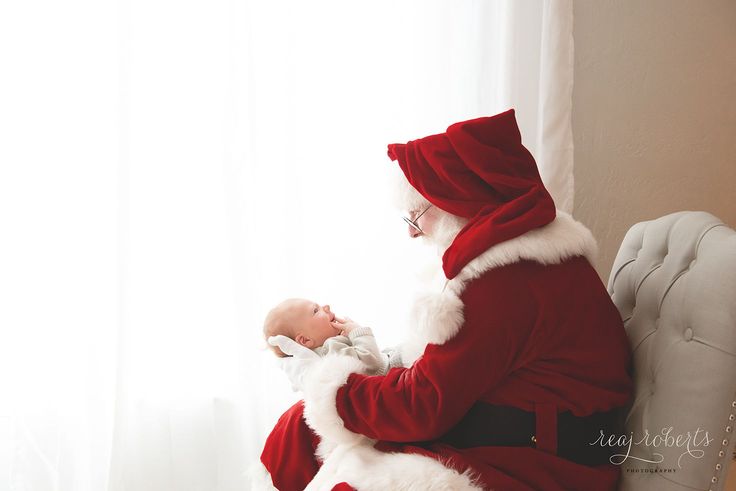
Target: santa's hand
{"points": [[299, 361]]}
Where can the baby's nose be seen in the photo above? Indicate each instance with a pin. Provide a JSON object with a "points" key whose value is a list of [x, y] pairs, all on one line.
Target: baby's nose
{"points": [[327, 308]]}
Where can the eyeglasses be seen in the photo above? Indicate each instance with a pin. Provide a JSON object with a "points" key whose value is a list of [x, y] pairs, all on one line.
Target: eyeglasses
{"points": [[413, 223]]}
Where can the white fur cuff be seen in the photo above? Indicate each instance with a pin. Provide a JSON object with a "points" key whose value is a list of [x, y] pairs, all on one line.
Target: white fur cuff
{"points": [[260, 479], [320, 393]]}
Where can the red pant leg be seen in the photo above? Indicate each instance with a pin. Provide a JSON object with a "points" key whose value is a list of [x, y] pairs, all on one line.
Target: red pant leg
{"points": [[289, 451]]}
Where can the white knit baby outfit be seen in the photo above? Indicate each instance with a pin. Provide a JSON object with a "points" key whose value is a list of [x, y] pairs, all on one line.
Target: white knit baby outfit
{"points": [[361, 344]]}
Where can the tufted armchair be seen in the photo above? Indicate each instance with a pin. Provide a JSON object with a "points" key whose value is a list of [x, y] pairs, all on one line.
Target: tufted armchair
{"points": [[674, 283]]}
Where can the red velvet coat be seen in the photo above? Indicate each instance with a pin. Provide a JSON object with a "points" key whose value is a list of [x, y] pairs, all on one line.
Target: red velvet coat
{"points": [[526, 324]]}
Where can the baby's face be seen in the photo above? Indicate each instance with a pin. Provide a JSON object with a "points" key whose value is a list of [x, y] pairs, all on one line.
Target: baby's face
{"points": [[312, 322]]}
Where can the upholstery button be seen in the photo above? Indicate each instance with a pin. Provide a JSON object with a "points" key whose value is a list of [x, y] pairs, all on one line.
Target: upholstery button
{"points": [[721, 453], [714, 479], [718, 467], [728, 429], [731, 417], [733, 404], [688, 334], [725, 442]]}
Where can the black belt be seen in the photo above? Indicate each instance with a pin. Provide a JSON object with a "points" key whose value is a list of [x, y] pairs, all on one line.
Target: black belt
{"points": [[489, 425]]}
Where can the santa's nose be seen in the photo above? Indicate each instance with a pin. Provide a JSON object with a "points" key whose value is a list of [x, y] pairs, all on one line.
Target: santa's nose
{"points": [[413, 233]]}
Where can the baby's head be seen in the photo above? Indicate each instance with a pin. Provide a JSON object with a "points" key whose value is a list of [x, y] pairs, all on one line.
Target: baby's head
{"points": [[304, 321]]}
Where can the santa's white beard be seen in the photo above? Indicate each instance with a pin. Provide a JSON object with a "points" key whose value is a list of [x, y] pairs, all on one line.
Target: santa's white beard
{"points": [[407, 198], [429, 268], [444, 231]]}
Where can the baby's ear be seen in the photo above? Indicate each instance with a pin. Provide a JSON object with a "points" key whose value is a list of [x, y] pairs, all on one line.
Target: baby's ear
{"points": [[304, 341]]}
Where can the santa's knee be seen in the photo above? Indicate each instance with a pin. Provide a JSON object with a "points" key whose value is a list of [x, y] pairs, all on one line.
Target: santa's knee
{"points": [[289, 453]]}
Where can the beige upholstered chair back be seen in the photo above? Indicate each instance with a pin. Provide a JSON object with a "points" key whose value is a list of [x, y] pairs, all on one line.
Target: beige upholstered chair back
{"points": [[674, 283]]}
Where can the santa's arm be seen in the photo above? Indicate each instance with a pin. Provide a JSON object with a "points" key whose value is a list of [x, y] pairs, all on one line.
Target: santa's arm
{"points": [[426, 400]]}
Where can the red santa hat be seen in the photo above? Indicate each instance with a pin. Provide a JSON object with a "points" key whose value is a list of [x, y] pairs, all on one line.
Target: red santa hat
{"points": [[478, 169]]}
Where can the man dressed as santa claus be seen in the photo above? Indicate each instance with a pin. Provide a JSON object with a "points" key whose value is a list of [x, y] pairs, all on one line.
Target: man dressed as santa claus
{"points": [[514, 368]]}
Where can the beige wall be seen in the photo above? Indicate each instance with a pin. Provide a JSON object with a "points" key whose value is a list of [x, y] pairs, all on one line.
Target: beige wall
{"points": [[654, 113]]}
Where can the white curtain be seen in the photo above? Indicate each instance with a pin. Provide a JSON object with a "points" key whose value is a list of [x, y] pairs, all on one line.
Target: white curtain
{"points": [[170, 170]]}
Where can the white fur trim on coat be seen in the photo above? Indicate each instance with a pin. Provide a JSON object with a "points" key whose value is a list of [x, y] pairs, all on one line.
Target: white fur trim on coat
{"points": [[436, 317], [321, 383], [562, 238], [259, 478], [368, 469]]}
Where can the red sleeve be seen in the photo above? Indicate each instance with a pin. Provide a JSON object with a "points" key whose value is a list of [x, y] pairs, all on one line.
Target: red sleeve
{"points": [[425, 401]]}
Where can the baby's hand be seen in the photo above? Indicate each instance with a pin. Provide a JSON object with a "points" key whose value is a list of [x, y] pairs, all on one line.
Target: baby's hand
{"points": [[345, 325]]}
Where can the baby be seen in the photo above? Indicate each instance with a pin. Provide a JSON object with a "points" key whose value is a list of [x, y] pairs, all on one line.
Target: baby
{"points": [[317, 328]]}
